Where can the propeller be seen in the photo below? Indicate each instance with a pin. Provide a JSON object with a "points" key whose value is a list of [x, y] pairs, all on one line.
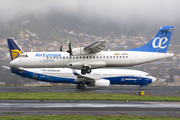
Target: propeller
{"points": [[70, 50], [60, 49]]}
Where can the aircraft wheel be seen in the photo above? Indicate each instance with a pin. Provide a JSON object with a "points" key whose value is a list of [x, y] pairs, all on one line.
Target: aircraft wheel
{"points": [[88, 69], [78, 86], [140, 88], [83, 86], [83, 71]]}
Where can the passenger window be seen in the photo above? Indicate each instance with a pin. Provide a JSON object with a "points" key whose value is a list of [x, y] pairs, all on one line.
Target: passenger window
{"points": [[104, 57], [119, 56], [116, 56], [87, 57], [80, 57], [93, 56], [83, 57], [126, 56], [73, 57], [123, 56], [107, 56], [110, 56], [97, 57], [67, 57], [77, 57], [63, 57], [113, 56], [100, 56], [47, 57]]}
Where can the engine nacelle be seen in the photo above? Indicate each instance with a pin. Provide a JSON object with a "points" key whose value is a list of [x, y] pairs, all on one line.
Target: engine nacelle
{"points": [[102, 83], [79, 51], [75, 65]]}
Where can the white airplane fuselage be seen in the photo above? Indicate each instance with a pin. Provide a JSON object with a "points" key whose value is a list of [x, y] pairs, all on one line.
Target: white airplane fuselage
{"points": [[98, 60], [66, 75]]}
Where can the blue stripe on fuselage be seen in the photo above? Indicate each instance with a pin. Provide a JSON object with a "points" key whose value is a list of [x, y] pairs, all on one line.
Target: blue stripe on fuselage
{"points": [[129, 80], [42, 77]]}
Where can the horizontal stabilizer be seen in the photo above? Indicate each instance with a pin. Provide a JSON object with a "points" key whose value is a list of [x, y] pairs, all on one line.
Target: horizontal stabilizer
{"points": [[6, 67]]}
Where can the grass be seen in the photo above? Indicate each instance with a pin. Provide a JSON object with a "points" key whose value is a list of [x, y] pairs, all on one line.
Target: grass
{"points": [[84, 96], [87, 117]]}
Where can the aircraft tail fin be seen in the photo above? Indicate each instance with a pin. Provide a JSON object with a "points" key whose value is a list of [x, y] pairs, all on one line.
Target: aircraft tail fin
{"points": [[159, 43], [14, 48]]}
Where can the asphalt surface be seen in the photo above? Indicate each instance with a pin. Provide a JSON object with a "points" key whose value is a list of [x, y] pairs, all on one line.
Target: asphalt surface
{"points": [[57, 107], [164, 91], [60, 107]]}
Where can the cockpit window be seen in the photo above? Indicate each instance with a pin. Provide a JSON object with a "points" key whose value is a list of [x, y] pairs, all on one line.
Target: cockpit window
{"points": [[19, 56], [22, 56]]}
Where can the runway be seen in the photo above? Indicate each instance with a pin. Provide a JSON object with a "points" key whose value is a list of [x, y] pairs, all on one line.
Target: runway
{"points": [[57, 107], [165, 91], [62, 107]]}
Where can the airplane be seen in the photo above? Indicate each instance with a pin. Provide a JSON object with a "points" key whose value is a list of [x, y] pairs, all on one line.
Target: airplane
{"points": [[92, 56], [98, 77]]}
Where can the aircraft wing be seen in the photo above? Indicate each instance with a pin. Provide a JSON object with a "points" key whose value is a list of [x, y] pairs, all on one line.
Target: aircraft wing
{"points": [[96, 47], [6, 67], [83, 78]]}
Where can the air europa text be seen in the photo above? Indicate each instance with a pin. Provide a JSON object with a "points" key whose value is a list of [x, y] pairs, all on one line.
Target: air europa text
{"points": [[47, 55]]}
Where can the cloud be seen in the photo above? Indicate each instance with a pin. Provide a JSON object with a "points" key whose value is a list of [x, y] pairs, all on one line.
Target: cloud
{"points": [[118, 11]]}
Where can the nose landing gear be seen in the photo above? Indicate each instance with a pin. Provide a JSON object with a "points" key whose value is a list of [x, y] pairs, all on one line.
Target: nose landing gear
{"points": [[140, 87]]}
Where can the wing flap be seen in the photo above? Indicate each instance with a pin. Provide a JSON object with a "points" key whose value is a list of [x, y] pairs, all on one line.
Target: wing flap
{"points": [[96, 47], [82, 78]]}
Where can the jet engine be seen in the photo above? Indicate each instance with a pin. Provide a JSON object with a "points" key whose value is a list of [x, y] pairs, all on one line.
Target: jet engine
{"points": [[102, 83]]}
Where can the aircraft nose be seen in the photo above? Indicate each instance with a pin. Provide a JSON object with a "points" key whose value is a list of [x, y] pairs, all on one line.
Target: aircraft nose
{"points": [[13, 63], [154, 79]]}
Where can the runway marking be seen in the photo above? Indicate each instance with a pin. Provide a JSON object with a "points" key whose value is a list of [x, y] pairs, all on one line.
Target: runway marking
{"points": [[87, 105]]}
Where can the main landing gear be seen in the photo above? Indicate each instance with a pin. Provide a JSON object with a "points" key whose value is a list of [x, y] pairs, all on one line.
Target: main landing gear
{"points": [[81, 86], [85, 69]]}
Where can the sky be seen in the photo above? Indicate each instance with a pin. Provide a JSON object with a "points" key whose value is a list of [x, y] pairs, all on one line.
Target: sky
{"points": [[132, 15], [118, 11]]}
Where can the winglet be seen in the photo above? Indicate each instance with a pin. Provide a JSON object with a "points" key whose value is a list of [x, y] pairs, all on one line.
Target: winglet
{"points": [[75, 72]]}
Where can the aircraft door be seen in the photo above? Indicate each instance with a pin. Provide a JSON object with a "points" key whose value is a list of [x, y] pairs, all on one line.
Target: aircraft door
{"points": [[132, 57]]}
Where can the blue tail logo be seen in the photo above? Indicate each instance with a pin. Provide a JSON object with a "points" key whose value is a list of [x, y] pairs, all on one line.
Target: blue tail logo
{"points": [[14, 49], [159, 43]]}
